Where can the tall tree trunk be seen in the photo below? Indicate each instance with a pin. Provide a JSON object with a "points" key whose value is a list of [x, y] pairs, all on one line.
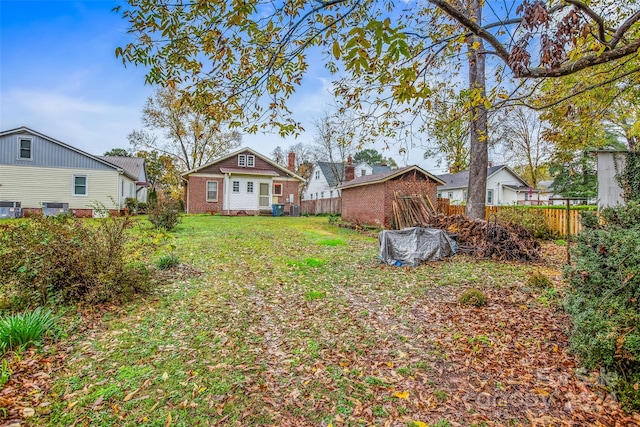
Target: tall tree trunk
{"points": [[479, 155]]}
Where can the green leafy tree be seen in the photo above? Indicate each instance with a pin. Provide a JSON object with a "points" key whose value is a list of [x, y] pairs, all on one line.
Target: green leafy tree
{"points": [[162, 173], [577, 177], [118, 152], [372, 157], [176, 127], [449, 134], [241, 61]]}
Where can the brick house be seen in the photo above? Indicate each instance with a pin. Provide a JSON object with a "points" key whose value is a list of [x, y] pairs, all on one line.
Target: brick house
{"points": [[368, 199], [243, 182]]}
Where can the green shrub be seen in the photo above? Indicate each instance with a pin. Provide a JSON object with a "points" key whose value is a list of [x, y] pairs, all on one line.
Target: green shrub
{"points": [[131, 204], [23, 329], [164, 214], [532, 219], [70, 259], [473, 297], [604, 299], [539, 280], [168, 261]]}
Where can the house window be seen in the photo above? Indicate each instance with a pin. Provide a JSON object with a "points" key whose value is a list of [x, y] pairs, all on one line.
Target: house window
{"points": [[330, 193], [212, 191], [79, 185], [489, 197], [526, 196], [24, 149], [316, 194], [450, 195], [122, 188], [246, 160], [464, 195], [439, 195], [363, 172], [322, 194], [236, 186], [277, 190], [317, 174], [250, 187], [311, 196]]}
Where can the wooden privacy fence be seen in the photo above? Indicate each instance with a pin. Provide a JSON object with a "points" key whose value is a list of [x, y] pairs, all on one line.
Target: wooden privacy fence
{"points": [[556, 218], [321, 206]]}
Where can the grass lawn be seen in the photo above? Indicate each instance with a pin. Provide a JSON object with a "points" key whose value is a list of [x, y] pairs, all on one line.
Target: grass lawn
{"points": [[293, 322]]}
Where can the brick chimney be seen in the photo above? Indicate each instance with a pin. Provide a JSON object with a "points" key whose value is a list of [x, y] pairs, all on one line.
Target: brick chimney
{"points": [[349, 170], [291, 161]]}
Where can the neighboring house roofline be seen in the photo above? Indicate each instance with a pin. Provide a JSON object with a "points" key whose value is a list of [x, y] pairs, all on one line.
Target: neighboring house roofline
{"points": [[458, 177], [131, 165], [240, 151], [67, 146], [385, 176]]}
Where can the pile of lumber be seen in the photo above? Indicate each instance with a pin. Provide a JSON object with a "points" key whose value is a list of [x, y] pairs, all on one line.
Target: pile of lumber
{"points": [[490, 239], [485, 239], [412, 211]]}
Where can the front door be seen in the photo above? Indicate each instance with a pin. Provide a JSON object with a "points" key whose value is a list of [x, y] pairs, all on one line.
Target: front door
{"points": [[263, 201]]}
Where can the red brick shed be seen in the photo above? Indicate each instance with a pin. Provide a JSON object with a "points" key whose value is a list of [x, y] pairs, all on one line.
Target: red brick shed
{"points": [[368, 199]]}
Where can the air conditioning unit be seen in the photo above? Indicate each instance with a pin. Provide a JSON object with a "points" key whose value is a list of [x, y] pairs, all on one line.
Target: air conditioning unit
{"points": [[54, 208], [10, 210]]}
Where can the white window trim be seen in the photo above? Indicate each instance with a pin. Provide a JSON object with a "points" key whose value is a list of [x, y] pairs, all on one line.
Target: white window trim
{"points": [[207, 191], [233, 187], [242, 160], [251, 161], [276, 185], [25, 138], [490, 199], [86, 186]]}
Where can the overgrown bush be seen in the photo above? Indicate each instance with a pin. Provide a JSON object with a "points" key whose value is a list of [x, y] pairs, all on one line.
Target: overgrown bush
{"points": [[131, 204], [68, 259], [604, 299], [164, 214], [531, 219], [539, 280], [473, 297], [22, 329]]}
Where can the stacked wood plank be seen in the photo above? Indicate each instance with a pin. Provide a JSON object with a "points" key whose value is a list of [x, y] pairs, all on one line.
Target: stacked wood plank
{"points": [[482, 238], [412, 211]]}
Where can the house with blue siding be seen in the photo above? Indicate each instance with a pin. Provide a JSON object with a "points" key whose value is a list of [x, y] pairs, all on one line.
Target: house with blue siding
{"points": [[41, 174]]}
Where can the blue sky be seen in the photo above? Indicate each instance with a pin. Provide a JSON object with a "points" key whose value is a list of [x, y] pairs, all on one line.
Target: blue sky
{"points": [[59, 76]]}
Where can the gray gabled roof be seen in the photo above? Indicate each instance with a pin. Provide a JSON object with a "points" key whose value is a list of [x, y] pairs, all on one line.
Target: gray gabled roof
{"points": [[384, 176], [461, 179], [133, 166], [333, 172], [329, 171]]}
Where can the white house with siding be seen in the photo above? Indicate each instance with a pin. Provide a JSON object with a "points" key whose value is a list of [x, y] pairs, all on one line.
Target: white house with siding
{"points": [[504, 187], [38, 171], [327, 176]]}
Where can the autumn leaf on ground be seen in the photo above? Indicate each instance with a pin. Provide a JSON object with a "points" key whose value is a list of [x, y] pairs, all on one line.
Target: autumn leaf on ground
{"points": [[403, 395]]}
